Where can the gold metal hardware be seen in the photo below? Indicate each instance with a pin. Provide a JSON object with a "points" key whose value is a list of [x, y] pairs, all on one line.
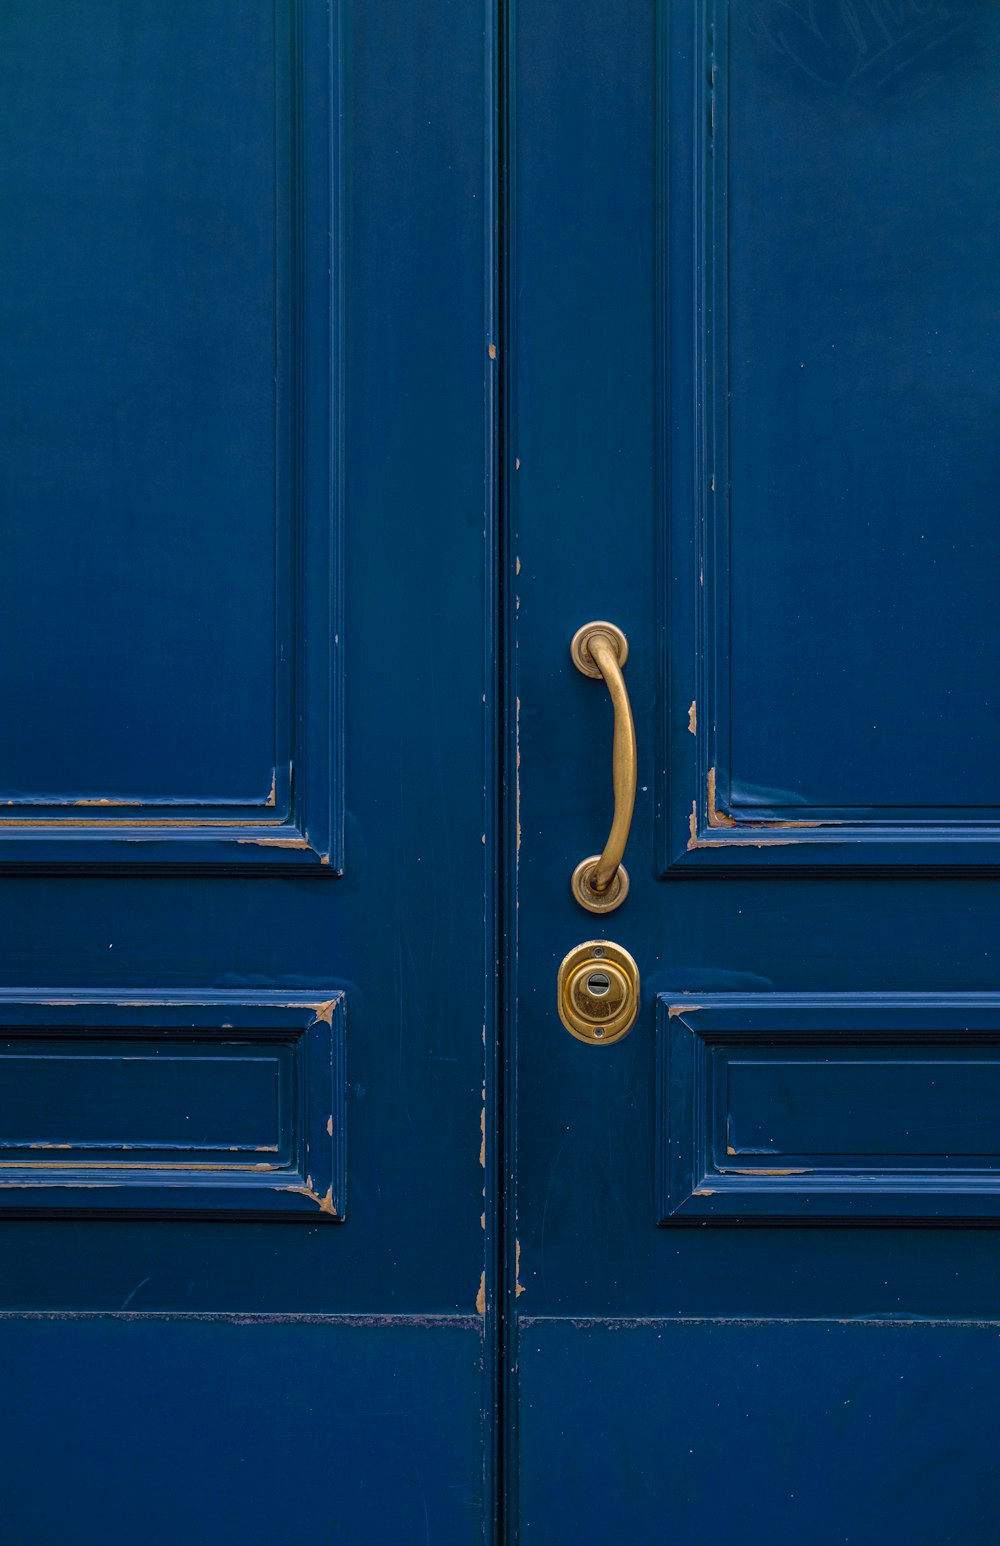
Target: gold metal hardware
{"points": [[600, 883], [598, 992]]}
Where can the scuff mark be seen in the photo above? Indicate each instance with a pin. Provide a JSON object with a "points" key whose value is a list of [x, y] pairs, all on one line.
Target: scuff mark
{"points": [[517, 773], [693, 717]]}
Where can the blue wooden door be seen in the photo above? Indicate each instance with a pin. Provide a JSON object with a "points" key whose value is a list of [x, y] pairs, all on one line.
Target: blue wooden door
{"points": [[245, 413], [754, 300]]}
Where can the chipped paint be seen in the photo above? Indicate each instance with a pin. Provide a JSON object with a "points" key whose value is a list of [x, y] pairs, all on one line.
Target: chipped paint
{"points": [[681, 1009], [329, 1125], [482, 1146], [324, 1203], [693, 717], [493, 351], [131, 821], [693, 840], [272, 798], [277, 842], [732, 1171], [518, 1285], [481, 1296], [716, 817], [324, 1011]]}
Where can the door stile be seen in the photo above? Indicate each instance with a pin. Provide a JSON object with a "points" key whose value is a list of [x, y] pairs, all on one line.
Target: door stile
{"points": [[509, 813]]}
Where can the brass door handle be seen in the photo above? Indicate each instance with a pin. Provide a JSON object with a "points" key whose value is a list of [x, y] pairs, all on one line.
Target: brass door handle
{"points": [[600, 883]]}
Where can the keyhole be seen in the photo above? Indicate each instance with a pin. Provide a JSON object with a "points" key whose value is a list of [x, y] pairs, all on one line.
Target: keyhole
{"points": [[598, 983]]}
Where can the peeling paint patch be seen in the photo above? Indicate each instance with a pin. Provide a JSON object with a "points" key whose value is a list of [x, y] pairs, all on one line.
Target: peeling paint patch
{"points": [[734, 1172], [716, 818], [277, 842], [693, 826], [324, 1204]]}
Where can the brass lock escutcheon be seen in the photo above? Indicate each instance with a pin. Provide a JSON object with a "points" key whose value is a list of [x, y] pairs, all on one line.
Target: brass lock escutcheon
{"points": [[598, 988]]}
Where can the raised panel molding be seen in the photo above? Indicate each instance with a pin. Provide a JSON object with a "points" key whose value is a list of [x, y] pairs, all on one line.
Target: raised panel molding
{"points": [[709, 820], [297, 817], [173, 1103], [822, 1108]]}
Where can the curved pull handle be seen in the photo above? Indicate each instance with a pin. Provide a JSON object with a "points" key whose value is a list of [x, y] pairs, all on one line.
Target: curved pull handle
{"points": [[600, 883]]}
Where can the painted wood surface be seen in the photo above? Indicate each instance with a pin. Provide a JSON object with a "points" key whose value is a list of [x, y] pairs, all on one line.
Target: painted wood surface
{"points": [[754, 301], [245, 770]]}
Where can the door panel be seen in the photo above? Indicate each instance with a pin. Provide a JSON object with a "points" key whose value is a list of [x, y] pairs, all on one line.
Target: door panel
{"points": [[172, 592], [820, 1432], [198, 1427], [728, 438], [830, 319], [247, 274]]}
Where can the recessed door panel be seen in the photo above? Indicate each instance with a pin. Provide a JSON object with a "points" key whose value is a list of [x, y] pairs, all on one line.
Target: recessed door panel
{"points": [[171, 615], [831, 306]]}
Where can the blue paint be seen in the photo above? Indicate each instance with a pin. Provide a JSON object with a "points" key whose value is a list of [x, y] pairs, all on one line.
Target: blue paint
{"points": [[246, 423], [272, 669], [171, 403], [753, 302]]}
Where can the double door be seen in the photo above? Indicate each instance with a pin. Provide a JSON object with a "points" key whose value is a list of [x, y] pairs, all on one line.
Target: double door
{"points": [[356, 357]]}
